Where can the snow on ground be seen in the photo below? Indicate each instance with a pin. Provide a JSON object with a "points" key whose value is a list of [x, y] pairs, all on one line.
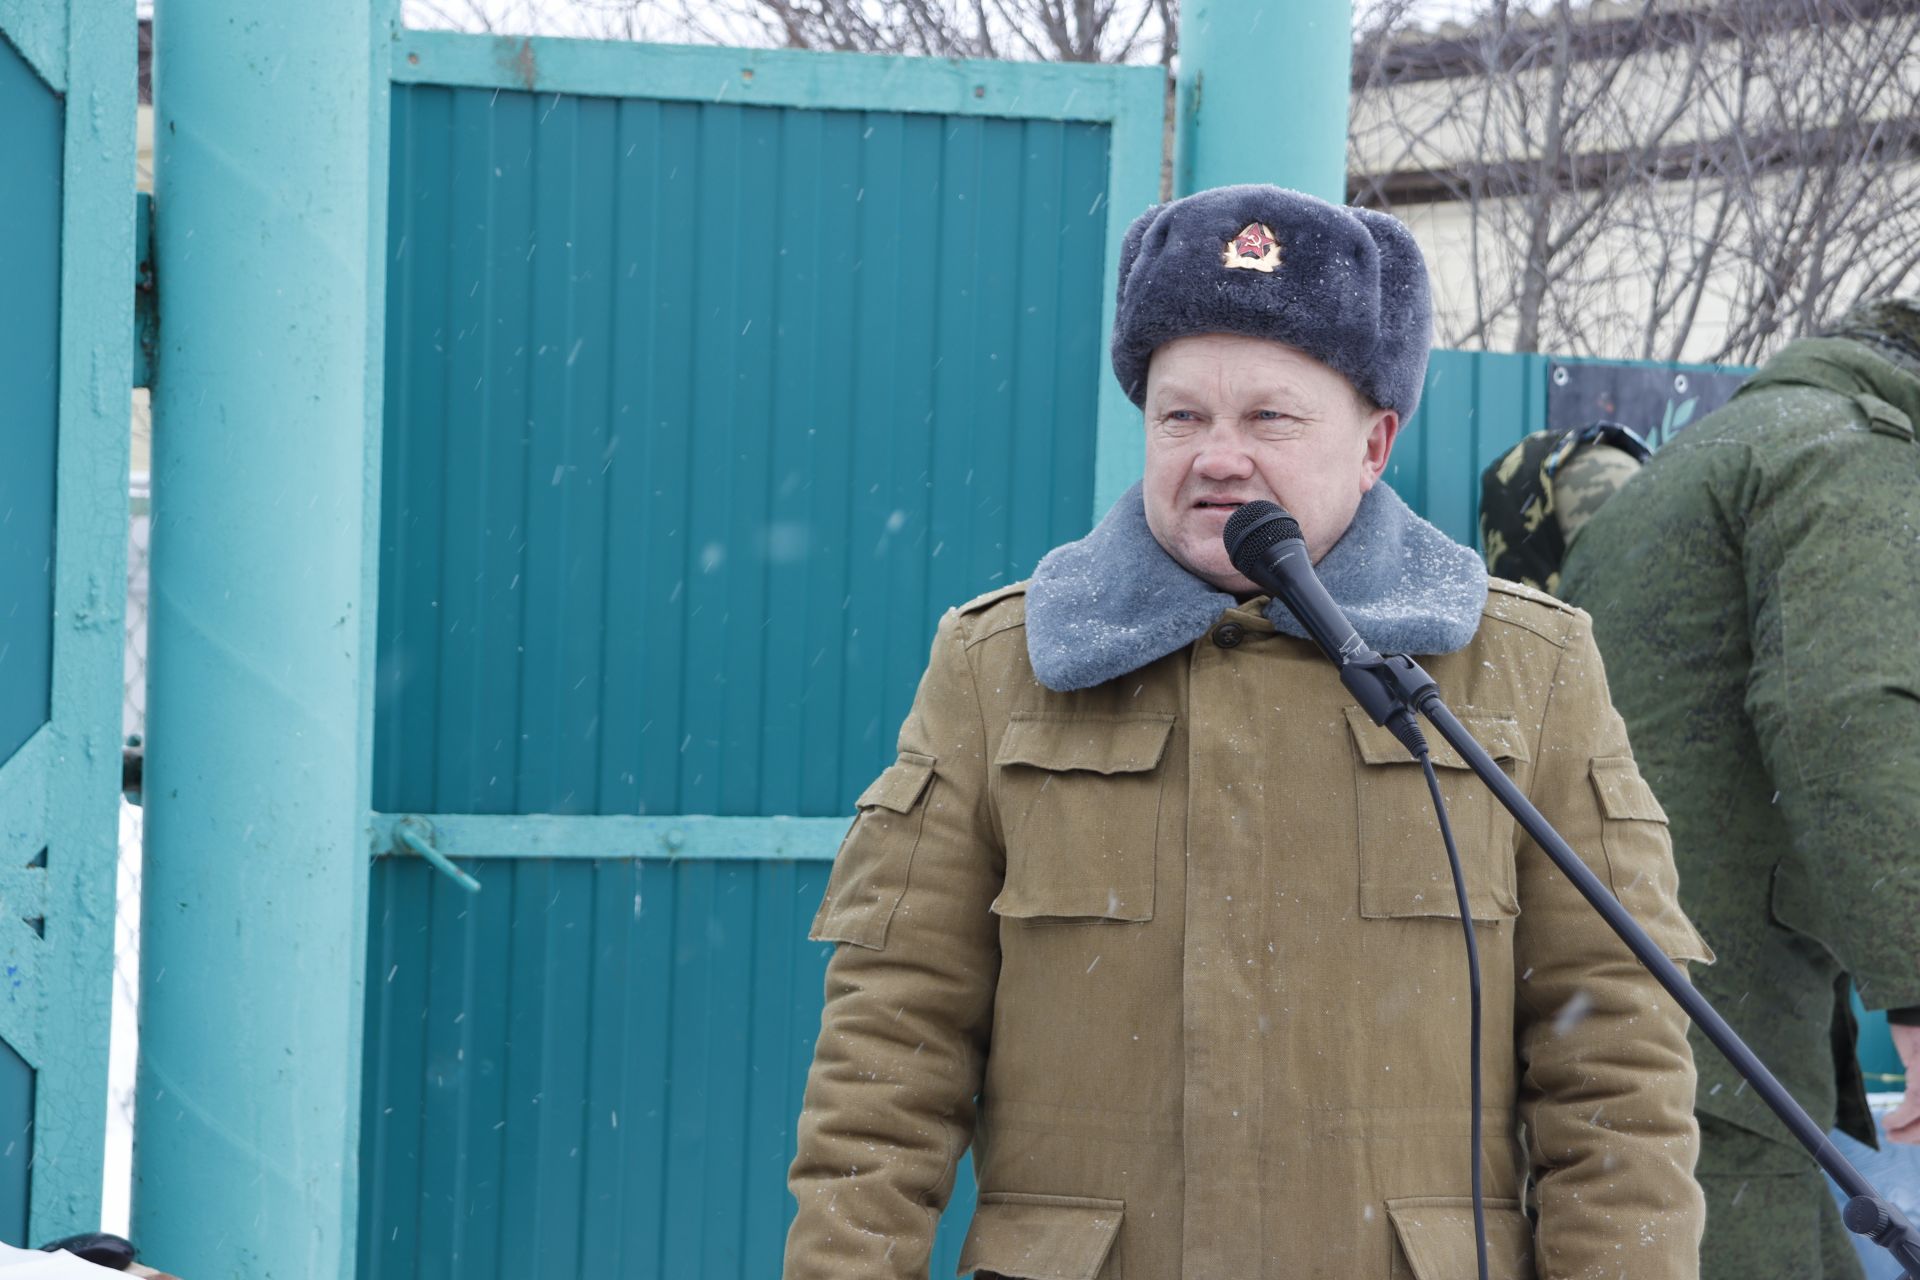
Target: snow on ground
{"points": [[123, 1051]]}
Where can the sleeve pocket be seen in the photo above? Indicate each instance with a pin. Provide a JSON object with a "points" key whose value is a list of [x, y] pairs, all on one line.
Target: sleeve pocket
{"points": [[870, 871], [1640, 858], [1433, 1237], [1624, 794], [1043, 1237]]}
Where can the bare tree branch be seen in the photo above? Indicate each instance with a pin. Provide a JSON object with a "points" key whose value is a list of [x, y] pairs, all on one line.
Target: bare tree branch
{"points": [[1665, 179], [1698, 181]]}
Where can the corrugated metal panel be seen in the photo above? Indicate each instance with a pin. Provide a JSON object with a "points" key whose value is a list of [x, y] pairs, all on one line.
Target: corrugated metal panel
{"points": [[698, 416], [591, 1068], [30, 156], [1474, 406]]}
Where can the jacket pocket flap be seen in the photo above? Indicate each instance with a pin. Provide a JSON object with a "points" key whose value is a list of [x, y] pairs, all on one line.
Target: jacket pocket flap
{"points": [[1097, 743], [1500, 735], [1623, 793], [1041, 1237], [899, 785], [1436, 1237]]}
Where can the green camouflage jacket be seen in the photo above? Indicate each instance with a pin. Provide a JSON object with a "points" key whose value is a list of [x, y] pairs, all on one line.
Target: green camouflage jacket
{"points": [[1756, 595]]}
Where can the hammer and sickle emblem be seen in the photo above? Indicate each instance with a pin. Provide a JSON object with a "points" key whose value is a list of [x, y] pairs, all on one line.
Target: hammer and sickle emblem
{"points": [[1254, 249]]}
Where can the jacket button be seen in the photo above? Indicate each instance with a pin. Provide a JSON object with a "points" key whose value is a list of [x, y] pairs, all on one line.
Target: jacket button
{"points": [[1228, 635]]}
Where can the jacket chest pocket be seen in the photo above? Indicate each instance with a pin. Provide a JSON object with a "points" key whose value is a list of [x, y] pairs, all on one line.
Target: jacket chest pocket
{"points": [[1433, 1238], [1079, 801], [1403, 860]]}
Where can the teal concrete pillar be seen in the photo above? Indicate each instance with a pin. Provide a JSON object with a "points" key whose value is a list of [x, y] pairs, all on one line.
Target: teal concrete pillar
{"points": [[1262, 95], [269, 214]]}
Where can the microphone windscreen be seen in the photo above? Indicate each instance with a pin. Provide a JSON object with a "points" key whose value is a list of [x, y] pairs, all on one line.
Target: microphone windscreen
{"points": [[1255, 529]]}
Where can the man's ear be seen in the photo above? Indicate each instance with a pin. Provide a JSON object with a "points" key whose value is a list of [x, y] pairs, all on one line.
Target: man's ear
{"points": [[1384, 430]]}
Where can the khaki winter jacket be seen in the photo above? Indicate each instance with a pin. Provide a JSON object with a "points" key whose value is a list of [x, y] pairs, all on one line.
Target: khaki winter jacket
{"points": [[1179, 955]]}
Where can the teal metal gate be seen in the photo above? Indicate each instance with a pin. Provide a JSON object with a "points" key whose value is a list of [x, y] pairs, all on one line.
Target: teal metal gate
{"points": [[713, 376], [1475, 405], [67, 87]]}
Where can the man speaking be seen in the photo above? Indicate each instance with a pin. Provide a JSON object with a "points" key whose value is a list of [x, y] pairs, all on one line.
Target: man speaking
{"points": [[1161, 924]]}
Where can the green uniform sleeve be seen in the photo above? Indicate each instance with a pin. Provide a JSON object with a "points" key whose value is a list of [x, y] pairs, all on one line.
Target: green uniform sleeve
{"points": [[1833, 596], [890, 1098], [1607, 1080]]}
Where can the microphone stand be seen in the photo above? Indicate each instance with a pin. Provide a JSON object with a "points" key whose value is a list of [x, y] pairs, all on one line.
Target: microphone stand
{"points": [[1390, 689]]}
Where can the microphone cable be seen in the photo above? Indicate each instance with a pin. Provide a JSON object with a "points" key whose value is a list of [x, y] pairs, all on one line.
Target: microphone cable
{"points": [[1473, 993], [1266, 545]]}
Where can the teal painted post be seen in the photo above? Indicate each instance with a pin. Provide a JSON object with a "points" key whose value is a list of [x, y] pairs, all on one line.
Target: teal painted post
{"points": [[1133, 185], [269, 212], [1263, 95]]}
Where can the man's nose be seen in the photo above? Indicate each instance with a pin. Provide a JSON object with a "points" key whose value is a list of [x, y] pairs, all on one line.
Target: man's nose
{"points": [[1223, 457]]}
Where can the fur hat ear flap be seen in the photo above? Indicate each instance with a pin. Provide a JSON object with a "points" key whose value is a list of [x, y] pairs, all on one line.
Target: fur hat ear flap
{"points": [[1129, 254], [1346, 286], [1406, 309]]}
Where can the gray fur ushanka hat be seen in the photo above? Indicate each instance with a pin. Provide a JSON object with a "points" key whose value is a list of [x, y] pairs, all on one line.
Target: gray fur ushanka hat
{"points": [[1347, 286]]}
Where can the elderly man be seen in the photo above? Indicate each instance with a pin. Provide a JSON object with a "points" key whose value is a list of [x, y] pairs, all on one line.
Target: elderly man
{"points": [[1153, 917], [1755, 588]]}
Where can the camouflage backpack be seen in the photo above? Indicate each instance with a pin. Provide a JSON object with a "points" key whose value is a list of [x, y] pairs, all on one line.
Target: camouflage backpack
{"points": [[1523, 529]]}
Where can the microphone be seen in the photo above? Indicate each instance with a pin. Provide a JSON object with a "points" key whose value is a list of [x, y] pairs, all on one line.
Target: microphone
{"points": [[1265, 545]]}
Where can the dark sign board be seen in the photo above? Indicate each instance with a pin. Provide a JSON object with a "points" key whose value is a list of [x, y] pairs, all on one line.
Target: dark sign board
{"points": [[1654, 401]]}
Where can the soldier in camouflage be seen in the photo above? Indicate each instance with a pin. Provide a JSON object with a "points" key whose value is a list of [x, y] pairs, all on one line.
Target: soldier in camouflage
{"points": [[1755, 592], [1537, 495]]}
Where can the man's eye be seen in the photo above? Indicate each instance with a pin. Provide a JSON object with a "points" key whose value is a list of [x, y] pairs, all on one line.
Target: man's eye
{"points": [[1183, 415], [1270, 415]]}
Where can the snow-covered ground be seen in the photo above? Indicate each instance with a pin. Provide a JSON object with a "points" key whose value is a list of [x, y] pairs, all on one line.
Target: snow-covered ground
{"points": [[118, 1176]]}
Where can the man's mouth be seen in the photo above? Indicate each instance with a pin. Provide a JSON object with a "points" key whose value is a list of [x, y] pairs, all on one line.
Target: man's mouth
{"points": [[1220, 504]]}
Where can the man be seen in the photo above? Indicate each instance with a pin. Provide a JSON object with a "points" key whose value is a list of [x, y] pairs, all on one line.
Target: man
{"points": [[1754, 590], [1154, 918]]}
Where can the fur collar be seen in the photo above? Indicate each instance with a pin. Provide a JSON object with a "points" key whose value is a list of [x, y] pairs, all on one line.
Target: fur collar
{"points": [[1115, 600]]}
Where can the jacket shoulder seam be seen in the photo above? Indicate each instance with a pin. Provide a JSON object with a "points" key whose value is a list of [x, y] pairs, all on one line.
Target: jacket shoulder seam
{"points": [[987, 599], [1558, 639], [1521, 591], [988, 615], [1551, 619]]}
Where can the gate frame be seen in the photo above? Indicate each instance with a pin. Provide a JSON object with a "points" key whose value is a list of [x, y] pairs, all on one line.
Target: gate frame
{"points": [[60, 791], [1128, 100]]}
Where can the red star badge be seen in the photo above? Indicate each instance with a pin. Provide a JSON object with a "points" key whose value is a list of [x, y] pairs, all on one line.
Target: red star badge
{"points": [[1253, 249]]}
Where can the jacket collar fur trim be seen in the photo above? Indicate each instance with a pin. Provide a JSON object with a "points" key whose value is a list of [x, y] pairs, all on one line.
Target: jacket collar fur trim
{"points": [[1115, 600]]}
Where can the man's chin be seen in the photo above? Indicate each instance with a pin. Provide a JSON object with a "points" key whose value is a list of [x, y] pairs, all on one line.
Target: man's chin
{"points": [[1202, 555], [1224, 577]]}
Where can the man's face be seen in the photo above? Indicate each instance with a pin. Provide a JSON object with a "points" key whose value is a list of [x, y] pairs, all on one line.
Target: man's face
{"points": [[1232, 419]]}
